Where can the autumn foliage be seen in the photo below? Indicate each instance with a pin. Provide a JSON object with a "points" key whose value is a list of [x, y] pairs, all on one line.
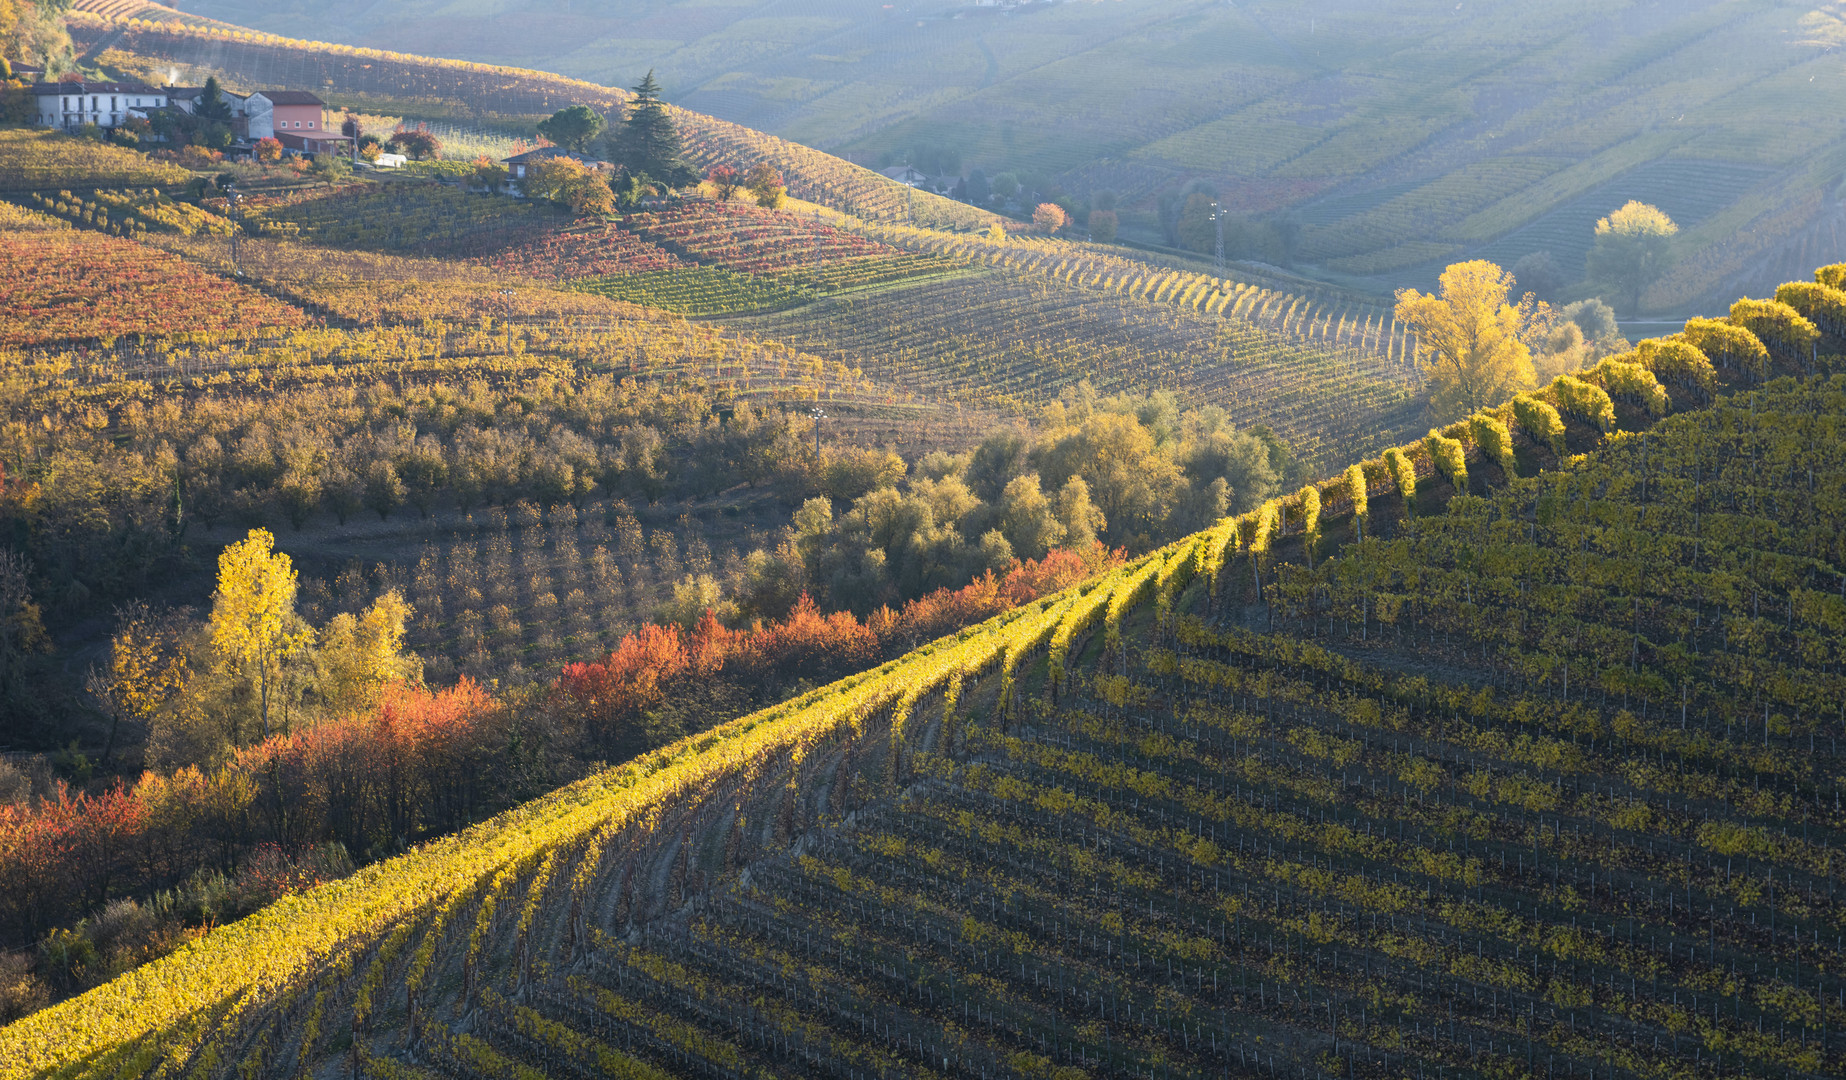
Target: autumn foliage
{"points": [[646, 667], [421, 763], [61, 286], [418, 764]]}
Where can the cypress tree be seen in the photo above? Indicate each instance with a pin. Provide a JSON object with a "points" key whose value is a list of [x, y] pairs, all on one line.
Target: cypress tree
{"points": [[650, 143]]}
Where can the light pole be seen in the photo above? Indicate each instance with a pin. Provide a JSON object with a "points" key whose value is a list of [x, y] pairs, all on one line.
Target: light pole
{"points": [[818, 417]]}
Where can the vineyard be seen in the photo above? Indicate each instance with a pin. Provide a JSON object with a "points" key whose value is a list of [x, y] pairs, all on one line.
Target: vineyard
{"points": [[1014, 342], [130, 212], [1286, 307], [706, 258], [400, 217], [1563, 116], [443, 329], [561, 501], [749, 239], [1222, 810], [1689, 191], [37, 160], [66, 285], [698, 290], [581, 250]]}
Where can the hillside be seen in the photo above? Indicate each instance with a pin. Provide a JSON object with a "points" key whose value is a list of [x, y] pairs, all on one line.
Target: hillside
{"points": [[1257, 802], [475, 94], [1304, 338], [1399, 136]]}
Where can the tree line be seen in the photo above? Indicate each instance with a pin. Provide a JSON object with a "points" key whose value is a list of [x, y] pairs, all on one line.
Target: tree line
{"points": [[101, 499], [281, 752], [1132, 472]]}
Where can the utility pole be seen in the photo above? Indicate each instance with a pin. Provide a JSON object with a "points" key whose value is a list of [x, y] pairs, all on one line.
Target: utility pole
{"points": [[1217, 217], [237, 228], [818, 417]]}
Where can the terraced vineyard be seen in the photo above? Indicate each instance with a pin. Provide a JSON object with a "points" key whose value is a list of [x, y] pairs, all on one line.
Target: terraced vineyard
{"points": [[1130, 830], [1014, 342]]}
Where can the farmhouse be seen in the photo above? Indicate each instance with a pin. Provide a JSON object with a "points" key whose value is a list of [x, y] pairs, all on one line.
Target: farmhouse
{"points": [[186, 99], [518, 163], [296, 112], [71, 105], [296, 118]]}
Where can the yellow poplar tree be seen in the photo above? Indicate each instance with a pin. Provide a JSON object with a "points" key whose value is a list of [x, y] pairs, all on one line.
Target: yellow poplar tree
{"points": [[1469, 335], [147, 667], [1631, 249], [360, 656], [254, 624]]}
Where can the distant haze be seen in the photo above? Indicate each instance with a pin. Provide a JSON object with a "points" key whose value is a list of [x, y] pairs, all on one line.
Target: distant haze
{"points": [[1394, 136]]}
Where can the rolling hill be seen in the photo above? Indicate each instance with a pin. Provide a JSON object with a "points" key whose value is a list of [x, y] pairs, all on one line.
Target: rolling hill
{"points": [[1400, 135], [1256, 803], [1220, 337]]}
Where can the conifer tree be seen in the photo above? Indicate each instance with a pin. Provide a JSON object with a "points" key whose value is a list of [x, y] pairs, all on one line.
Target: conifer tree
{"points": [[575, 128], [212, 105], [649, 143]]}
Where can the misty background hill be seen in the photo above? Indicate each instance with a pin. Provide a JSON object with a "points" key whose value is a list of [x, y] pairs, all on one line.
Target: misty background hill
{"points": [[1367, 143]]}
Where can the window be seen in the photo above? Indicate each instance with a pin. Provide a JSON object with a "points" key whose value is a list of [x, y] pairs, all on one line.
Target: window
{"points": [[112, 103], [310, 123]]}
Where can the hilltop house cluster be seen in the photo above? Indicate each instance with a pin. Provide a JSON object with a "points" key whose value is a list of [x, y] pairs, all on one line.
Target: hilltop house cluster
{"points": [[295, 118]]}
